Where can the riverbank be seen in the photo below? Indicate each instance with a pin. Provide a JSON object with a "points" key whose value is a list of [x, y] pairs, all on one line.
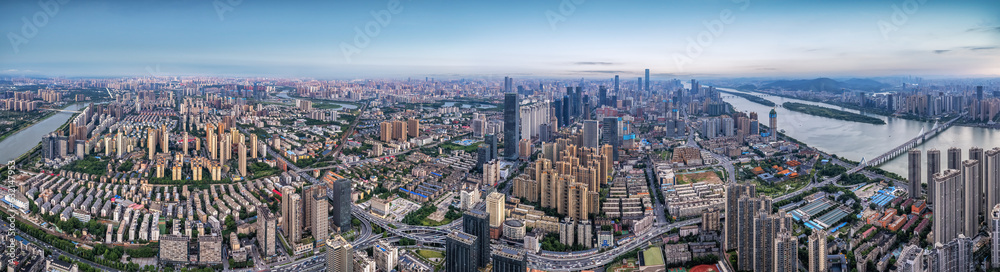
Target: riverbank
{"points": [[751, 98], [832, 113], [29, 124]]}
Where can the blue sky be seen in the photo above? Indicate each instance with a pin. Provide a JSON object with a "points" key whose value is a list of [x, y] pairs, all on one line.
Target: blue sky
{"points": [[559, 38]]}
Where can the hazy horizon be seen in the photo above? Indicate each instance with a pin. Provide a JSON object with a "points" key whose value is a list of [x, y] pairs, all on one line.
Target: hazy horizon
{"points": [[456, 39]]}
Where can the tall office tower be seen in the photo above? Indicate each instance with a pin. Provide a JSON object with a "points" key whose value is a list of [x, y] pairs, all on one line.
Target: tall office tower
{"points": [[591, 135], [817, 252], [557, 107], [151, 142], [953, 256], [585, 114], [979, 93], [733, 193], [242, 149], [477, 224], [914, 173], [602, 96], [342, 204], [991, 176], [606, 102], [638, 86], [774, 125], [995, 236], [955, 158], [185, 142], [766, 227], [786, 257], [578, 102], [610, 134], [511, 129], [647, 81], [567, 110], [413, 128], [266, 230], [495, 205], [339, 255], [509, 259], [386, 255], [462, 251], [507, 83], [253, 145], [948, 213], [972, 196]]}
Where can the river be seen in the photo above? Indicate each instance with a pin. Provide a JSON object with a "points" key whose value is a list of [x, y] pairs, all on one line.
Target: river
{"points": [[26, 139], [284, 95], [854, 140]]}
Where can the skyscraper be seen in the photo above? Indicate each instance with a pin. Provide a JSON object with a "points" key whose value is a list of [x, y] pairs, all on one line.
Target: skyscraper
{"points": [[954, 255], [266, 231], [491, 141], [291, 207], [774, 125], [817, 251], [495, 205], [766, 229], [463, 255], [602, 96], [591, 134], [610, 134], [339, 255], [914, 173], [477, 224], [320, 221], [933, 167], [242, 149], [606, 102], [646, 89], [733, 193], [342, 204], [948, 212], [511, 119]]}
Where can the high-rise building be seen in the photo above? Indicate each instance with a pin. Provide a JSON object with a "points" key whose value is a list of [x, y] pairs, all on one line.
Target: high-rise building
{"points": [[266, 231], [977, 154], [490, 140], [339, 255], [948, 209], [463, 255], [933, 167], [991, 176], [733, 193], [242, 149], [413, 128], [508, 259], [766, 227], [495, 203], [955, 158], [954, 256], [646, 89], [817, 252], [995, 236], [591, 134], [253, 145], [151, 142], [291, 207], [341, 204], [612, 127], [386, 255], [748, 210], [309, 204], [606, 102], [785, 252], [972, 197], [511, 120], [774, 125], [914, 173], [477, 224]]}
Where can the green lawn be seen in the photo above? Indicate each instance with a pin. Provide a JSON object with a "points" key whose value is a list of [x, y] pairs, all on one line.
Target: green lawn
{"points": [[652, 256], [430, 253]]}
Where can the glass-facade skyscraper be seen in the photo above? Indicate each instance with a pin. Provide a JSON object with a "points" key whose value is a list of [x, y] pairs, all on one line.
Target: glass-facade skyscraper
{"points": [[511, 125], [342, 204]]}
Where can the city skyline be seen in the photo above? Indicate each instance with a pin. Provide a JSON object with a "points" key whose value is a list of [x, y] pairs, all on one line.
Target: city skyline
{"points": [[449, 39]]}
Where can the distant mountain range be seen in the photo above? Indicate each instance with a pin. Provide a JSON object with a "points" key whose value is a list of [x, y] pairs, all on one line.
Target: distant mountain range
{"points": [[827, 85]]}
